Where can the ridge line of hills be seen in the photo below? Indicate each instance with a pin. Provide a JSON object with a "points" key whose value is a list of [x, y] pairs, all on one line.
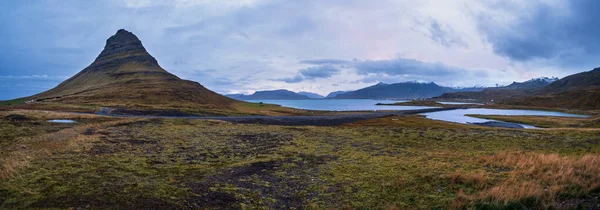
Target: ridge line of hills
{"points": [[402, 90]]}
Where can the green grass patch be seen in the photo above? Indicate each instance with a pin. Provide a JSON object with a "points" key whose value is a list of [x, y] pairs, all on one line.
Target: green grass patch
{"points": [[13, 102], [407, 163]]}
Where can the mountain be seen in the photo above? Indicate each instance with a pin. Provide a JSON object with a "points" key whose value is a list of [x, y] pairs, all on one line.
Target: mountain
{"points": [[399, 90], [310, 95], [530, 84], [126, 75], [577, 91], [515, 89], [583, 80], [270, 95], [334, 94]]}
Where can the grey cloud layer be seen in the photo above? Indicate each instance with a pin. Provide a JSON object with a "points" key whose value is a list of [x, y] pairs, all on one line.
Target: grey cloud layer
{"points": [[565, 33], [311, 73], [252, 44], [444, 36], [402, 66], [324, 61], [393, 70]]}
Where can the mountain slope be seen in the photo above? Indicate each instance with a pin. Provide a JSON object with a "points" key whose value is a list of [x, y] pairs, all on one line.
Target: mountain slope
{"points": [[573, 82], [310, 95], [515, 89], [125, 74], [529, 84], [270, 95], [334, 94], [398, 90], [577, 91]]}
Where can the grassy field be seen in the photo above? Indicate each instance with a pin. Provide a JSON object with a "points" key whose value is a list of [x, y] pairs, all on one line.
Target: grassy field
{"points": [[548, 121], [13, 102], [389, 163]]}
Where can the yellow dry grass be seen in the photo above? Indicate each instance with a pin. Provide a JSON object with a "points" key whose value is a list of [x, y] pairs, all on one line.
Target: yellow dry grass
{"points": [[542, 175], [33, 147], [528, 175], [590, 123], [40, 114], [476, 179]]}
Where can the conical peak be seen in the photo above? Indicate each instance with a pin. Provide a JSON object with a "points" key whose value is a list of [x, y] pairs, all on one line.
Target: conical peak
{"points": [[121, 36], [124, 74], [122, 41], [121, 48]]}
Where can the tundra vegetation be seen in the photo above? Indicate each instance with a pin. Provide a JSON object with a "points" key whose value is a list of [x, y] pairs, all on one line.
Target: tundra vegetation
{"points": [[404, 162]]}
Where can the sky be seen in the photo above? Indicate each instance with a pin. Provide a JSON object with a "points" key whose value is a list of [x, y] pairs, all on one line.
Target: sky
{"points": [[304, 45]]}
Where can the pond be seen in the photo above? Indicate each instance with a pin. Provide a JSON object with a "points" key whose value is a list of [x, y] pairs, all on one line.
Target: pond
{"points": [[458, 115], [62, 121]]}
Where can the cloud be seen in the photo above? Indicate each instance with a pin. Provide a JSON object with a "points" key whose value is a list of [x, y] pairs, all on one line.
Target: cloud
{"points": [[565, 32], [254, 44], [311, 73], [393, 71], [323, 71], [324, 61], [404, 66], [294, 79], [444, 36], [186, 3]]}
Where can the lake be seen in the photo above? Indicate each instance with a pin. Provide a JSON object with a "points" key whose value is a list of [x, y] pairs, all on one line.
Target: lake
{"points": [[458, 115], [340, 104]]}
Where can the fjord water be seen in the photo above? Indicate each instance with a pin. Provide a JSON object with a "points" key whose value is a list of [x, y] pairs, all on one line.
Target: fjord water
{"points": [[340, 104], [458, 115]]}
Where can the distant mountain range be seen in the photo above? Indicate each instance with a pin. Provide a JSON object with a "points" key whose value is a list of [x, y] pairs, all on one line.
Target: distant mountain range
{"points": [[311, 95], [378, 91], [578, 91], [401, 90], [270, 95], [529, 84], [494, 94]]}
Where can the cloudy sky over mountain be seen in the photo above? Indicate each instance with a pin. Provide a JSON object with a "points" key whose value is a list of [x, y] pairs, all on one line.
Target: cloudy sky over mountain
{"points": [[304, 45]]}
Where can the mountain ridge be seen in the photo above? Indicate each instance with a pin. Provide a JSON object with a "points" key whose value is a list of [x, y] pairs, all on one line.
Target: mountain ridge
{"points": [[125, 75], [335, 93], [492, 94], [576, 91], [311, 94], [280, 94], [410, 89]]}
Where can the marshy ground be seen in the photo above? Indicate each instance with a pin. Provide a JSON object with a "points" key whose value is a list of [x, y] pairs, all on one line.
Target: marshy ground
{"points": [[406, 162]]}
